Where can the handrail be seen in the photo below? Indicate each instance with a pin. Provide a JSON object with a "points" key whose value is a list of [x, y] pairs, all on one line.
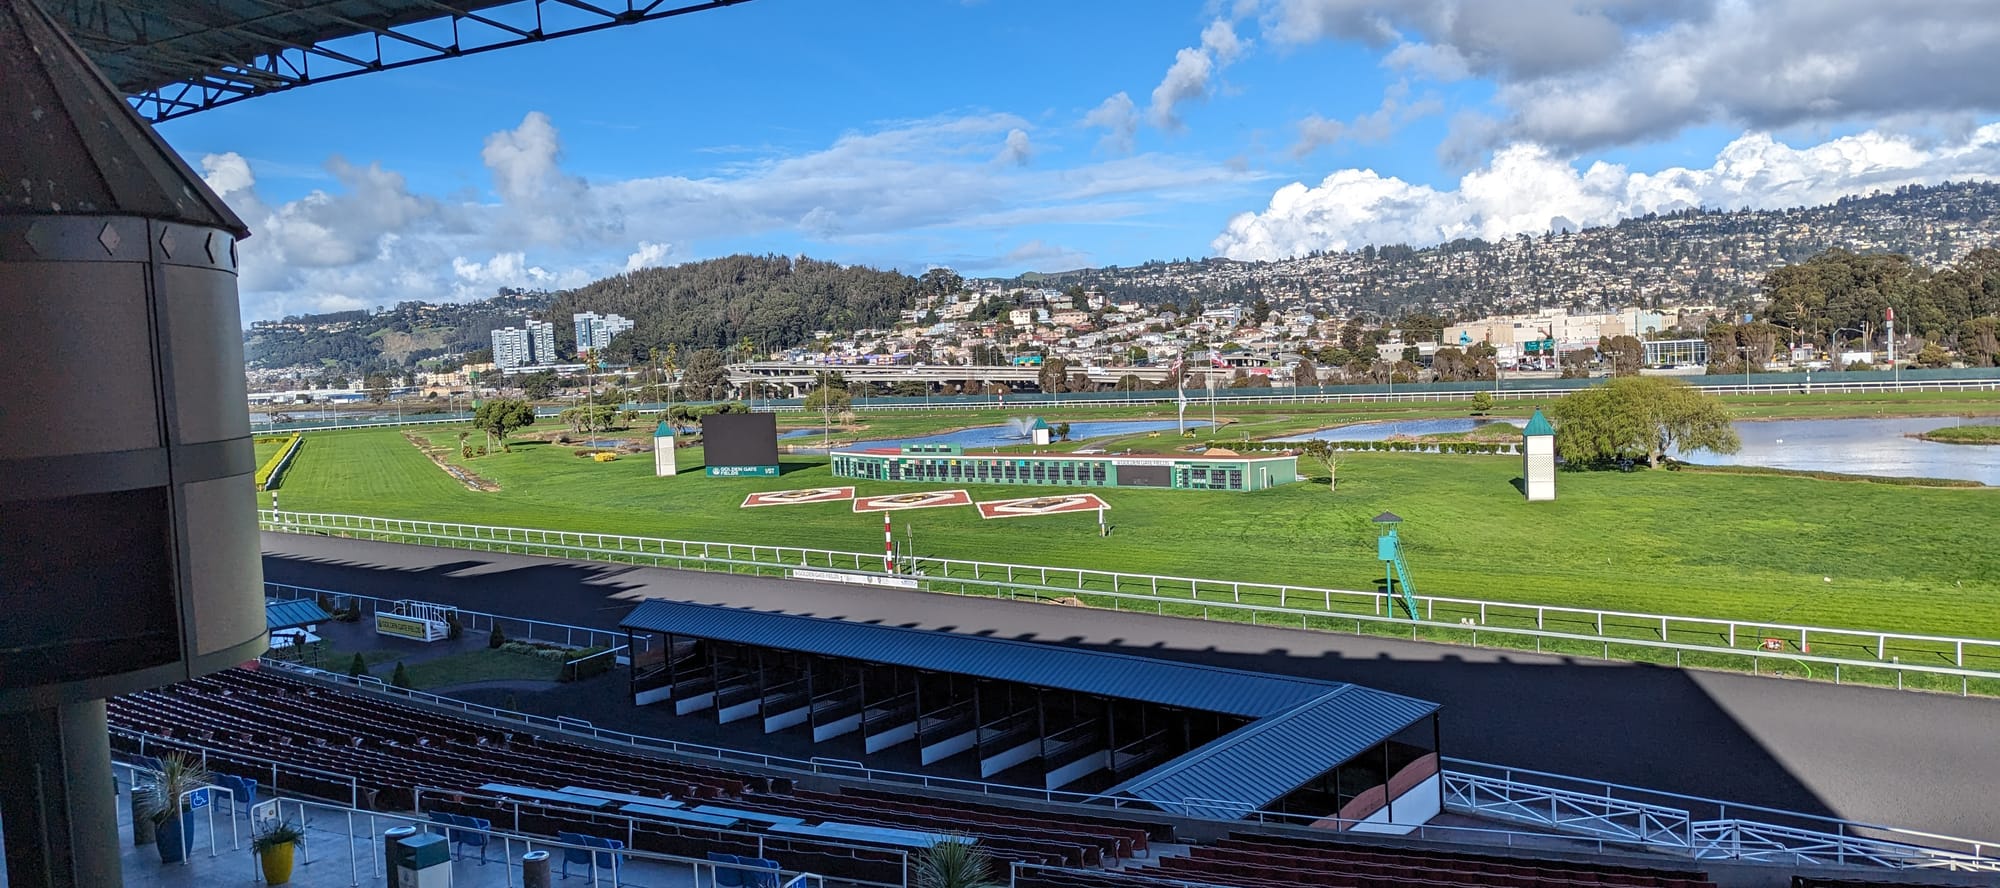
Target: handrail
{"points": [[1020, 577], [1980, 858]]}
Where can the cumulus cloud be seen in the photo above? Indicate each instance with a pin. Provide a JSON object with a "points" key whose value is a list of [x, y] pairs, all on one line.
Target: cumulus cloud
{"points": [[1189, 78], [1575, 75], [1219, 39], [1119, 118], [1528, 189], [1017, 151], [649, 255], [369, 240]]}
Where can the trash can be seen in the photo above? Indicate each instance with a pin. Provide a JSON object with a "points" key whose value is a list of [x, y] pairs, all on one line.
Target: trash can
{"points": [[390, 840], [535, 869], [423, 862]]}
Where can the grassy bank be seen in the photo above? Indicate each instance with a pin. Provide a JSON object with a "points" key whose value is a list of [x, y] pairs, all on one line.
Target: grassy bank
{"points": [[1752, 547], [1963, 435]]}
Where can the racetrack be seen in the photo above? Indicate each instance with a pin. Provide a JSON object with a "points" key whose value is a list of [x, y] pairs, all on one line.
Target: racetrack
{"points": [[1909, 759]]}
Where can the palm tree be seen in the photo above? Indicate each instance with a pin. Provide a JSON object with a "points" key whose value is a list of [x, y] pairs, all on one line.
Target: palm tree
{"points": [[955, 863]]}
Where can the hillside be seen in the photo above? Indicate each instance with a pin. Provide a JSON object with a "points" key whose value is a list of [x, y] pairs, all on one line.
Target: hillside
{"points": [[1689, 257], [771, 301]]}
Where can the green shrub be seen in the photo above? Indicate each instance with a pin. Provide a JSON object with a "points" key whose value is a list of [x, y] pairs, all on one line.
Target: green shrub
{"points": [[357, 666], [453, 628], [401, 678]]}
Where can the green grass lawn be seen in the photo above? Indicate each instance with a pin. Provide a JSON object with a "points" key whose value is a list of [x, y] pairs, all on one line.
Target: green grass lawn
{"points": [[481, 665], [1964, 435], [1749, 547]]}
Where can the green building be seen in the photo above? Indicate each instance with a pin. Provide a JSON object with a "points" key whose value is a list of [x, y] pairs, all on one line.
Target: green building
{"points": [[1216, 469]]}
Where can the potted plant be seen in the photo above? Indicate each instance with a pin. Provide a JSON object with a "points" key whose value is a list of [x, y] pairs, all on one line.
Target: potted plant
{"points": [[177, 775], [275, 848], [955, 863], [145, 797]]}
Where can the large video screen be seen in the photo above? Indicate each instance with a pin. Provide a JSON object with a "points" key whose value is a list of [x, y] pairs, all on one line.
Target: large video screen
{"points": [[740, 439]]}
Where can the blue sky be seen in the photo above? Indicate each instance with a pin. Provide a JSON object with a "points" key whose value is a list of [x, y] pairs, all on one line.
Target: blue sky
{"points": [[1003, 136]]}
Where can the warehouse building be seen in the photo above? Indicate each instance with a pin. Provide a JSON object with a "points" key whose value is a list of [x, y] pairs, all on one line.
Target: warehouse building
{"points": [[1215, 469]]}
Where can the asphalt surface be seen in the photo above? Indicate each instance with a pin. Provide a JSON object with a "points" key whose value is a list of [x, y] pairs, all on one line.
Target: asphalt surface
{"points": [[1915, 760]]}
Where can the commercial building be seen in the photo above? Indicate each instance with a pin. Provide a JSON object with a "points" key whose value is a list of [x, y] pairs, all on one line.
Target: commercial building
{"points": [[1676, 352], [594, 331], [1216, 469]]}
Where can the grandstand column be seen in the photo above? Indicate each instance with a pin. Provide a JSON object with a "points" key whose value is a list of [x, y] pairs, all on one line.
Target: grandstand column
{"points": [[130, 540], [57, 798]]}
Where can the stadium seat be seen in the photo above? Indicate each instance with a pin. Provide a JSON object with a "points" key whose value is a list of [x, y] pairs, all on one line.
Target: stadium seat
{"points": [[727, 875]]}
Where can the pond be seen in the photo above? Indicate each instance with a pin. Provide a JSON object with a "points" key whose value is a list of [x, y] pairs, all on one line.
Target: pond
{"points": [[1004, 436], [1862, 447], [1851, 446]]}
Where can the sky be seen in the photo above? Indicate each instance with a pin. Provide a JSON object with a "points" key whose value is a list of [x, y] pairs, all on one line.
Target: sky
{"points": [[1003, 136]]}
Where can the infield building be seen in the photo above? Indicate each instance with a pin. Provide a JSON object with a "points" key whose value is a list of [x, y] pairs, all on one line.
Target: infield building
{"points": [[1215, 469]]}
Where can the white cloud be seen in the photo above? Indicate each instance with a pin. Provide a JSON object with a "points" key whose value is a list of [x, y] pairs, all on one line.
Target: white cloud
{"points": [[1526, 188], [1018, 151], [370, 241], [1186, 81], [1219, 39], [1376, 126], [1575, 75], [649, 255], [1119, 118]]}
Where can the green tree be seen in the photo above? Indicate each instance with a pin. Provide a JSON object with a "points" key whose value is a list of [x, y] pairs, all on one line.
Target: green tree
{"points": [[827, 398], [1304, 374], [1062, 431], [357, 666], [1482, 402], [496, 638], [501, 417], [401, 677], [1933, 356], [1639, 417], [706, 376], [1327, 455], [1626, 354], [377, 386], [538, 386]]}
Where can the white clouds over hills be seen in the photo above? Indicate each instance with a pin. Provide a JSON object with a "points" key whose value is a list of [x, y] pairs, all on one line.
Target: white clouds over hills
{"points": [[1525, 187]]}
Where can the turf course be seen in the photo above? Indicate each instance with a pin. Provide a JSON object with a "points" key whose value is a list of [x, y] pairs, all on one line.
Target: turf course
{"points": [[1749, 547]]}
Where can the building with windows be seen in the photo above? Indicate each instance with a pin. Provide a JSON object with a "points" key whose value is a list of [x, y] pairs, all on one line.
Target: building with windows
{"points": [[1676, 352], [512, 347], [542, 337], [594, 331], [1215, 469]]}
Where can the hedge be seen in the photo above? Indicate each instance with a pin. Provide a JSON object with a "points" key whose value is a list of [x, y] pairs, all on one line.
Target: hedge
{"points": [[273, 469]]}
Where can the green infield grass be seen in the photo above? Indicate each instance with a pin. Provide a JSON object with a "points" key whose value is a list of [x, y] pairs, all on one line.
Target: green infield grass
{"points": [[1750, 547]]}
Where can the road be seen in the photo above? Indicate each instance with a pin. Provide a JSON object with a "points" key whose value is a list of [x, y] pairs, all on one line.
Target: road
{"points": [[1915, 760]]}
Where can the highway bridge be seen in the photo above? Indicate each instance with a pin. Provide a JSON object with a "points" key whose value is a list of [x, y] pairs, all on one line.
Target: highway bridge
{"points": [[794, 380]]}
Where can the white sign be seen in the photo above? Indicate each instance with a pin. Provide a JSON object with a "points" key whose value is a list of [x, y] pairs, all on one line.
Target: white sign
{"points": [[828, 576]]}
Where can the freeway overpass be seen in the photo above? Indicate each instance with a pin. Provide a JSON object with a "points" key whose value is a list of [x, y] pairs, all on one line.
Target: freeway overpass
{"points": [[796, 379]]}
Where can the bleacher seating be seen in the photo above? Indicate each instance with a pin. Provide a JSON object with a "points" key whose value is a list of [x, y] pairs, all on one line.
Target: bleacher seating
{"points": [[392, 751]]}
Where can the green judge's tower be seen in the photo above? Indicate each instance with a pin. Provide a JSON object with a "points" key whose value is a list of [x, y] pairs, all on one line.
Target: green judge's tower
{"points": [[128, 547]]}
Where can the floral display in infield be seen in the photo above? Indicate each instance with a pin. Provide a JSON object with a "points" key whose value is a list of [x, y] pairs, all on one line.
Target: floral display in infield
{"points": [[929, 500], [1042, 505], [794, 497]]}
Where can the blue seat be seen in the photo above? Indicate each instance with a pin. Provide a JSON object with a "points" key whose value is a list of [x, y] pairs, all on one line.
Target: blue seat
{"points": [[763, 872], [727, 875], [607, 861], [477, 839], [243, 791], [573, 855]]}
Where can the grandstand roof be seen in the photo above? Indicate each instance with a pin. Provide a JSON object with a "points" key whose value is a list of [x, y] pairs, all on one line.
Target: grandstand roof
{"points": [[173, 59], [289, 614], [1255, 765], [1123, 676]]}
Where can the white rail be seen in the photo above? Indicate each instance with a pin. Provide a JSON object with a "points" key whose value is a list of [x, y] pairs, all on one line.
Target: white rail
{"points": [[1607, 813], [1756, 645]]}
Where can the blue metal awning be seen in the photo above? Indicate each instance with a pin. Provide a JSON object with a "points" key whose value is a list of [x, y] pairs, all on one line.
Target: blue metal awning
{"points": [[287, 614], [1259, 763]]}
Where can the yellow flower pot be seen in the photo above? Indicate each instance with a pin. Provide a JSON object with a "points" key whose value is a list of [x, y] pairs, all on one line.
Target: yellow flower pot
{"points": [[277, 861]]}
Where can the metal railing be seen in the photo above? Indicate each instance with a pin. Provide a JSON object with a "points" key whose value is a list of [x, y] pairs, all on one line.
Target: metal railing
{"points": [[514, 628], [1843, 654], [1568, 811]]}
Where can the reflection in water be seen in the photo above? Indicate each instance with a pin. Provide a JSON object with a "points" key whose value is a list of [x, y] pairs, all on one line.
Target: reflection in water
{"points": [[1852, 446], [1861, 447]]}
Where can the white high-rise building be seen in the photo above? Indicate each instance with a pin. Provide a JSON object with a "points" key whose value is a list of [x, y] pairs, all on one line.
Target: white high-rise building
{"points": [[512, 348], [594, 331], [542, 335]]}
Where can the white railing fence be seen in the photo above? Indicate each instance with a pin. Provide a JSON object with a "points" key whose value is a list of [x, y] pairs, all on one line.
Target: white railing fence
{"points": [[513, 628], [1817, 652], [1606, 814]]}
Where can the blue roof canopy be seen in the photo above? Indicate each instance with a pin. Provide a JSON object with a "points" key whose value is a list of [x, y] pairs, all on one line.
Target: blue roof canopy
{"points": [[1303, 727], [1538, 425], [288, 614]]}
